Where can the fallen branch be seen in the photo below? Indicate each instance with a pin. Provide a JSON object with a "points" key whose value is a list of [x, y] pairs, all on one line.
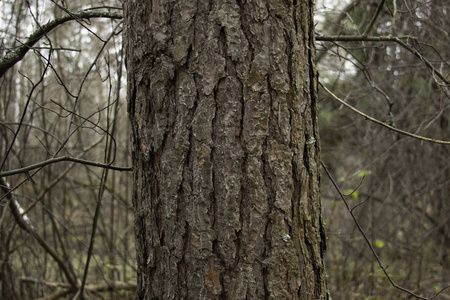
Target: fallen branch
{"points": [[66, 288]]}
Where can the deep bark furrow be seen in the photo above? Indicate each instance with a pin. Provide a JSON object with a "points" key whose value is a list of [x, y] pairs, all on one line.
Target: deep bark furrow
{"points": [[226, 181]]}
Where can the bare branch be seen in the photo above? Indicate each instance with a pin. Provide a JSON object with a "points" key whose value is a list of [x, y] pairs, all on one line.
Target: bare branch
{"points": [[64, 265], [397, 39], [10, 59], [419, 137], [374, 19], [41, 78], [60, 159], [108, 153], [359, 38], [366, 239], [336, 26]]}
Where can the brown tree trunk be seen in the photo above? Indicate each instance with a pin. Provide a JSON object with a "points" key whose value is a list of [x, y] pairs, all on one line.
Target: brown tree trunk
{"points": [[223, 106]]}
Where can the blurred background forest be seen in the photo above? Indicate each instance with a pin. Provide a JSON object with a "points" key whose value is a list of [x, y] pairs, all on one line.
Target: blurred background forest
{"points": [[69, 220]]}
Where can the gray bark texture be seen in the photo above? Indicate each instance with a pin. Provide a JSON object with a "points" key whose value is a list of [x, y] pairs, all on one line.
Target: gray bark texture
{"points": [[222, 98]]}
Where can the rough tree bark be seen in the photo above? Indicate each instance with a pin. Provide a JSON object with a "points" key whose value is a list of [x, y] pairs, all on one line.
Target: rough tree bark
{"points": [[222, 102]]}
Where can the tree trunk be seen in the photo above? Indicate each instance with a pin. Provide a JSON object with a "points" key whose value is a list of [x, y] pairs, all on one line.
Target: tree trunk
{"points": [[223, 106]]}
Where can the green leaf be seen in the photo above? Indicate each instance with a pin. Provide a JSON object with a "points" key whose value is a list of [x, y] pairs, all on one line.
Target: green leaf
{"points": [[364, 173], [379, 243], [352, 193]]}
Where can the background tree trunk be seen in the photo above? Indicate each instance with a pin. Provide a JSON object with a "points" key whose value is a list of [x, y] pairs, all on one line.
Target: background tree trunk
{"points": [[222, 101]]}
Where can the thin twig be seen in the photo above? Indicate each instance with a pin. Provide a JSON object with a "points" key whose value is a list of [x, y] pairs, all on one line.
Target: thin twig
{"points": [[110, 142], [83, 81], [366, 239], [359, 38], [397, 39], [419, 137], [10, 59], [374, 19], [64, 265], [60, 159], [22, 118]]}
